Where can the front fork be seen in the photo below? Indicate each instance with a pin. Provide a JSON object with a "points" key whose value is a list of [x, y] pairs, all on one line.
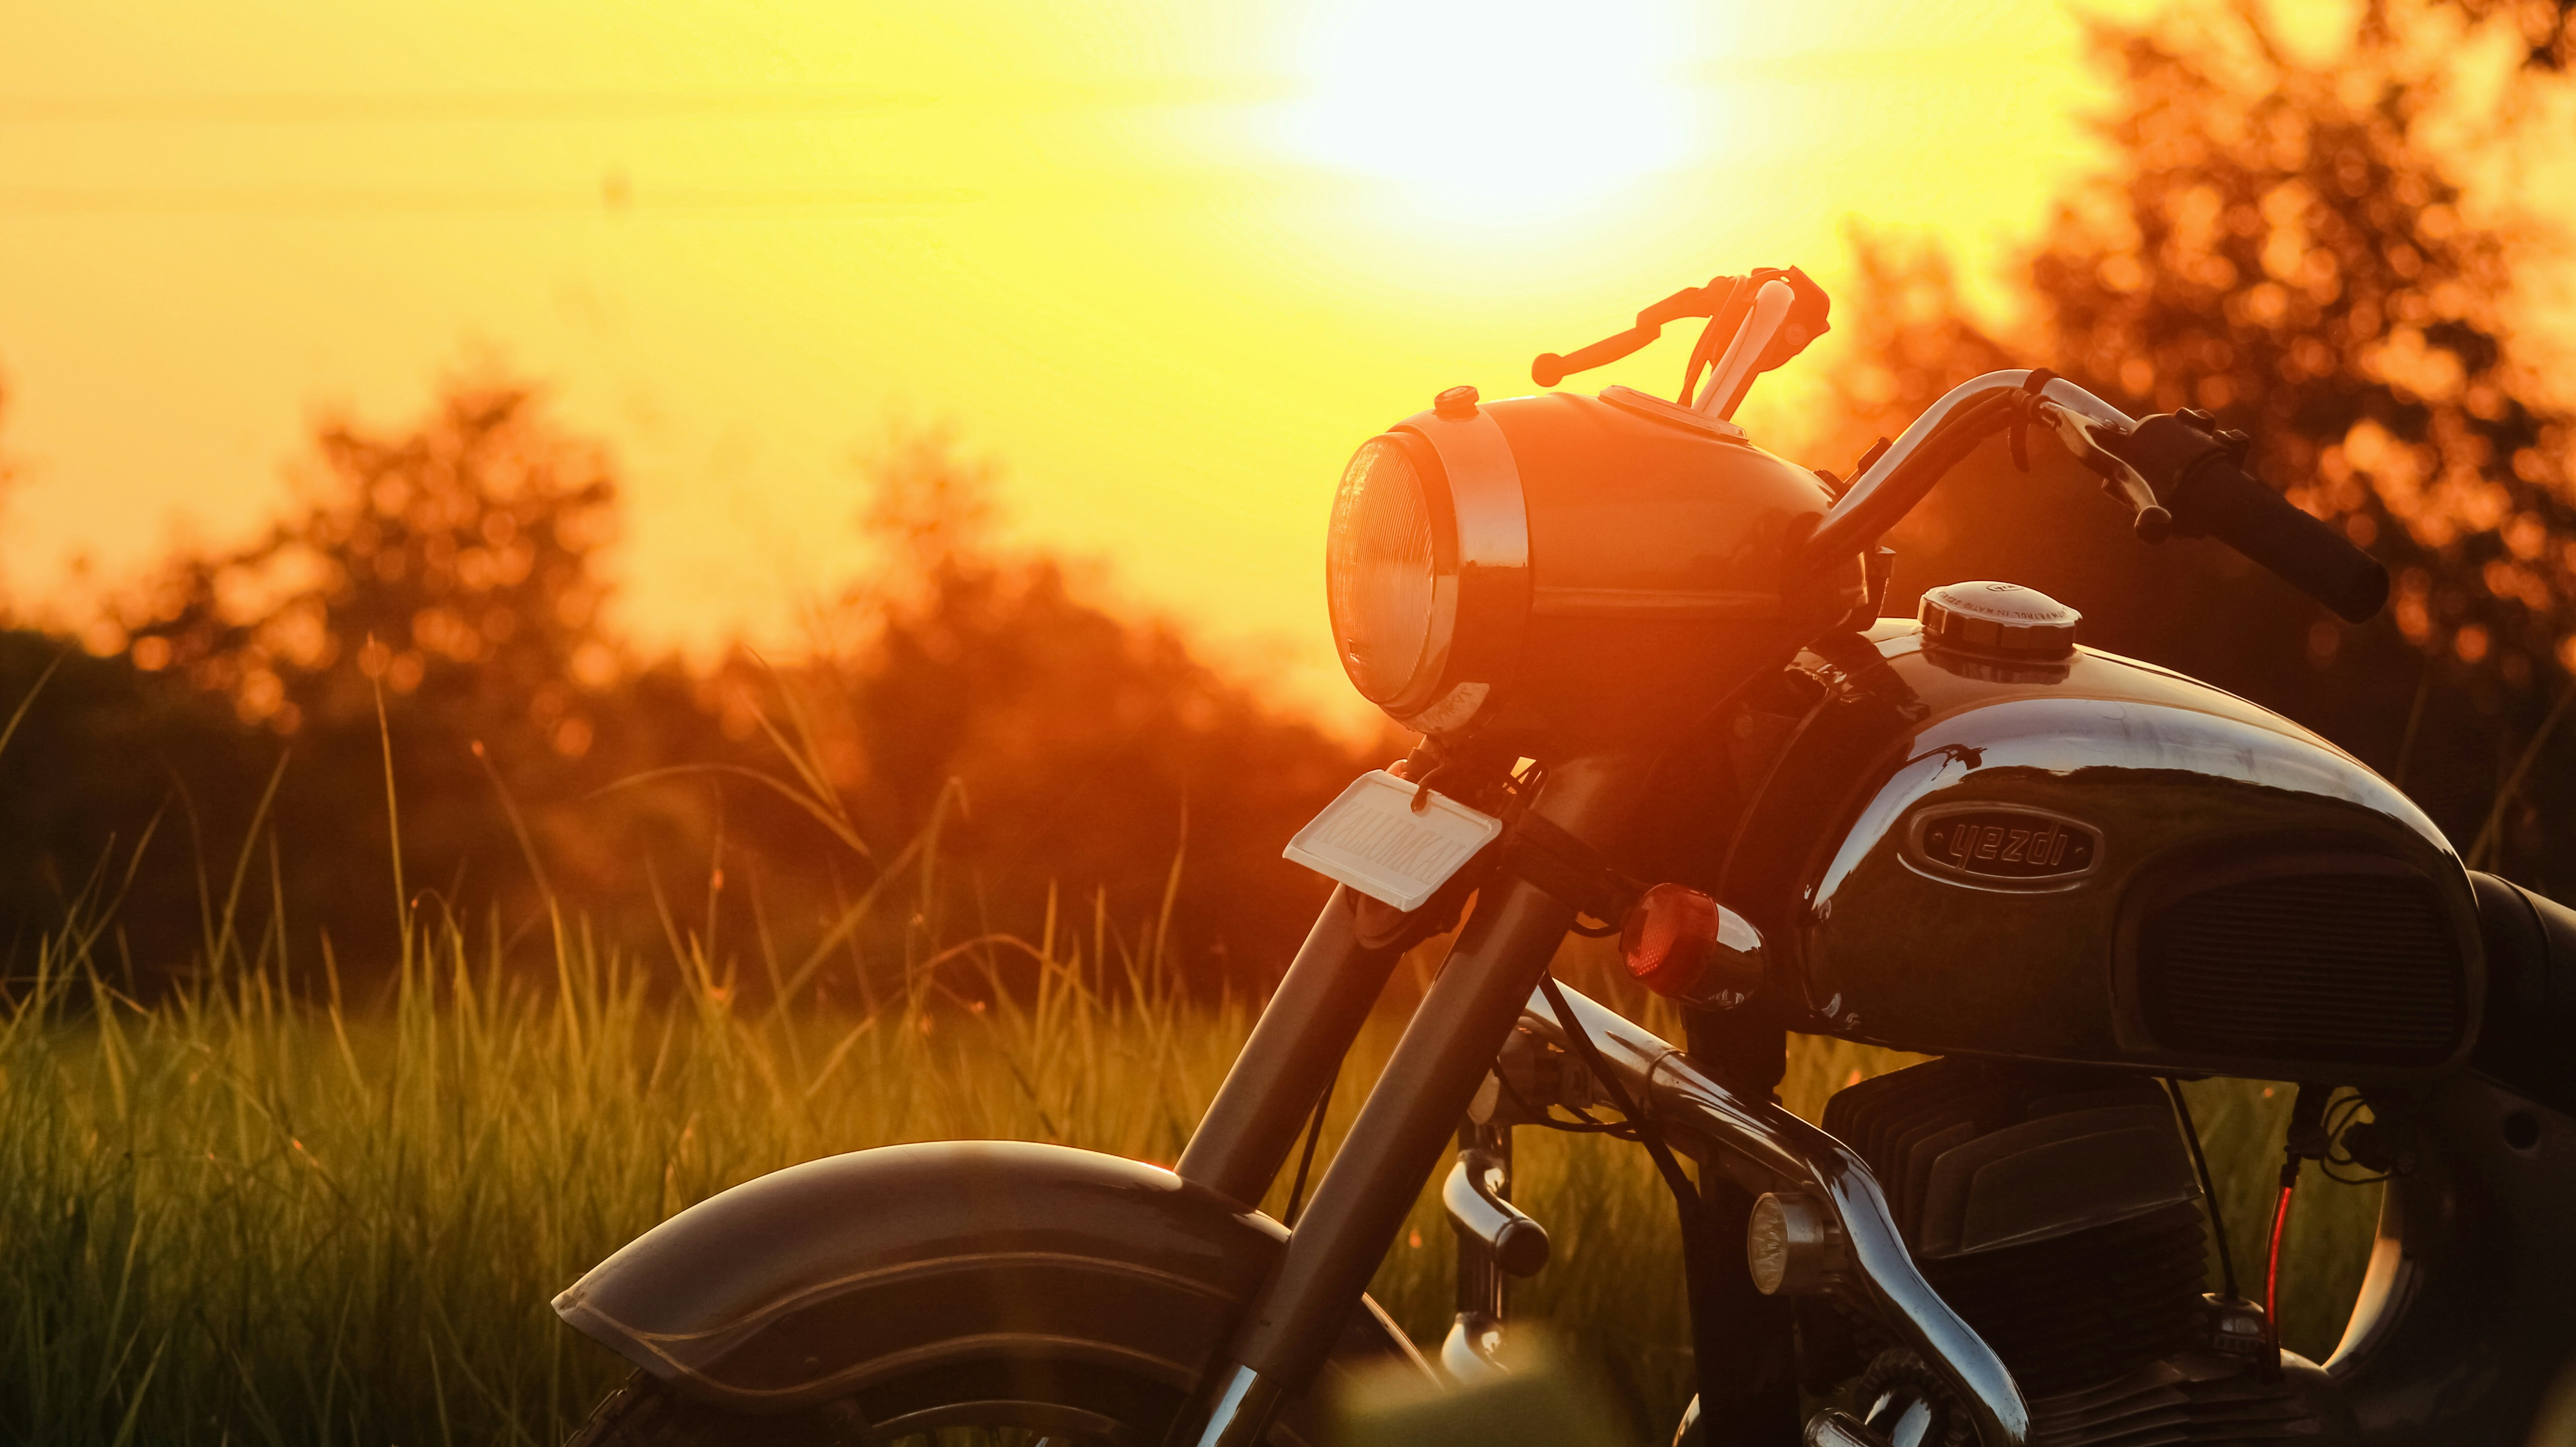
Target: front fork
{"points": [[1405, 1124]]}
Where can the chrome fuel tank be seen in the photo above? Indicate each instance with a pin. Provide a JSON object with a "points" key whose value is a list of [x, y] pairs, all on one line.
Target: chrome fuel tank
{"points": [[2097, 860]]}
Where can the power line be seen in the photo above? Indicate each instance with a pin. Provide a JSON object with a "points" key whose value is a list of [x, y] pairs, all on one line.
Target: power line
{"points": [[362, 108], [614, 197], [323, 107]]}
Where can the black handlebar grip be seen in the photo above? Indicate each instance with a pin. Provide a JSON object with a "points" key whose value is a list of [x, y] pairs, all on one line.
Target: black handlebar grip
{"points": [[2219, 499], [2197, 479]]}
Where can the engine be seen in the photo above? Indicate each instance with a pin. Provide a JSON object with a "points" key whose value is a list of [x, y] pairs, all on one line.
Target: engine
{"points": [[2054, 1208]]}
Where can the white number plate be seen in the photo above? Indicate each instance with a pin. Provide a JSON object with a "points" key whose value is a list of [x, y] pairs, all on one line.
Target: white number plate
{"points": [[1371, 840]]}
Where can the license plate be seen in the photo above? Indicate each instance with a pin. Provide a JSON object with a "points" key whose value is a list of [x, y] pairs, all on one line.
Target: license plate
{"points": [[1372, 840]]}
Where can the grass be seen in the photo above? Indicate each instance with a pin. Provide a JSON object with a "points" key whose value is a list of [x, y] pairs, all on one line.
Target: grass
{"points": [[237, 1217]]}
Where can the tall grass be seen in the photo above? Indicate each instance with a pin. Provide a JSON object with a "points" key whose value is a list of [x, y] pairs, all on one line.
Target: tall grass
{"points": [[235, 1216], [244, 1213]]}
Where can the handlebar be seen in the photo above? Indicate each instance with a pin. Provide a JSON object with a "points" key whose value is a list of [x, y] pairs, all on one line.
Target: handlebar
{"points": [[2173, 469], [1967, 414], [2211, 495]]}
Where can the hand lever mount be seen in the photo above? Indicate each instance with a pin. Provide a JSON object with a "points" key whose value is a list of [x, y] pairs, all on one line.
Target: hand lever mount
{"points": [[2091, 441]]}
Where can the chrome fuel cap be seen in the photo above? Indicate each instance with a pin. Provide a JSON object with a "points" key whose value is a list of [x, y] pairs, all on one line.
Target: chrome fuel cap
{"points": [[1998, 620]]}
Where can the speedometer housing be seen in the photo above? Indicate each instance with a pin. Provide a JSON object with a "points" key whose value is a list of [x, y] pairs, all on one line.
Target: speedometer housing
{"points": [[1592, 571]]}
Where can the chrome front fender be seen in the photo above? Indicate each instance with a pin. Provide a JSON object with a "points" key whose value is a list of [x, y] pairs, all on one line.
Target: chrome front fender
{"points": [[819, 1281]]}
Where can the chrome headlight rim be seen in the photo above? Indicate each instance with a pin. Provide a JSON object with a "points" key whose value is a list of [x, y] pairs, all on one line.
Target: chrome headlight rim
{"points": [[1480, 570]]}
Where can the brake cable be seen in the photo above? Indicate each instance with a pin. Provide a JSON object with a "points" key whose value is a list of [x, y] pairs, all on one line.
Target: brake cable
{"points": [[1306, 1155], [1685, 1194], [2208, 1188], [2304, 1138], [1582, 1124]]}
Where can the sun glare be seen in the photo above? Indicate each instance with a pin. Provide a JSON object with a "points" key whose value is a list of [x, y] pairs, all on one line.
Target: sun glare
{"points": [[1500, 109]]}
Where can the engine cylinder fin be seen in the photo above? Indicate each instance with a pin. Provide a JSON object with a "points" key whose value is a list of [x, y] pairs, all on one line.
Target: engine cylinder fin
{"points": [[2056, 1162], [2192, 1398], [2097, 1305], [2071, 1312]]}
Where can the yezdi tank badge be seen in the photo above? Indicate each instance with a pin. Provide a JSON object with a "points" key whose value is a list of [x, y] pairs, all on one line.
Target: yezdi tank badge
{"points": [[2012, 848]]}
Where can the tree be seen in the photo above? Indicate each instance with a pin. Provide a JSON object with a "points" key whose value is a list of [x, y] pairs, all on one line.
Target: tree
{"points": [[447, 573], [455, 564], [1096, 752], [2290, 244], [2285, 246]]}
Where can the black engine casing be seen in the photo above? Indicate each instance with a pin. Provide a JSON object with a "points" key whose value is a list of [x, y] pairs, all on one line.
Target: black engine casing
{"points": [[2057, 1213]]}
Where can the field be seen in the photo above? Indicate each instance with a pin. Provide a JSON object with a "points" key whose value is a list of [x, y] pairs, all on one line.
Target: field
{"points": [[232, 1216]]}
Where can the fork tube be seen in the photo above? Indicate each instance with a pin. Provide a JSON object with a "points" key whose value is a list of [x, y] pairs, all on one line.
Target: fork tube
{"points": [[1404, 1127], [1295, 1047]]}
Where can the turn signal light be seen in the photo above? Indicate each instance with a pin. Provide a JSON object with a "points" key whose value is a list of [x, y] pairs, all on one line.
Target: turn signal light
{"points": [[1681, 943], [1667, 936]]}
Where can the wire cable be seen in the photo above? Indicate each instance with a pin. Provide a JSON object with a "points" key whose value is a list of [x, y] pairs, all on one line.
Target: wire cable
{"points": [[1684, 1193], [2208, 1188], [2272, 1272], [1306, 1155], [1582, 1124]]}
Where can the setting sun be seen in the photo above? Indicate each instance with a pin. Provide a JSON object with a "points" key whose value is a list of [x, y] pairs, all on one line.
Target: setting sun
{"points": [[1501, 110]]}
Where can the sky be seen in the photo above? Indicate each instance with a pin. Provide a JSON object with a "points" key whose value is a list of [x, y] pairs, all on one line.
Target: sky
{"points": [[1167, 264]]}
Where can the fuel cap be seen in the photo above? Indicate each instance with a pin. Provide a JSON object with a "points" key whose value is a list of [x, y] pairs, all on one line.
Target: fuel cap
{"points": [[1999, 620]]}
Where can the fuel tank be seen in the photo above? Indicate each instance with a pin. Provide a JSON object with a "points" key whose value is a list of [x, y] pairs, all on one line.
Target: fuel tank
{"points": [[2090, 859]]}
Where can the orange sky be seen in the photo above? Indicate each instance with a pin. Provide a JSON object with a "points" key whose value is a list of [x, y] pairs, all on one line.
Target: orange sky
{"points": [[1169, 263]]}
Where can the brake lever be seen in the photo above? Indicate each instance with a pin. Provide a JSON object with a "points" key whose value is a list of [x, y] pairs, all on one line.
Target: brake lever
{"points": [[2077, 432]]}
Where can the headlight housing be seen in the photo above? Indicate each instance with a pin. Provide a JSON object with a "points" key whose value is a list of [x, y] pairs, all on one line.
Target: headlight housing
{"points": [[1559, 569]]}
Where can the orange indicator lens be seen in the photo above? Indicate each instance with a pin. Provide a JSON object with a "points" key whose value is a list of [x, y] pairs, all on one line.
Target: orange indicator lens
{"points": [[1667, 938]]}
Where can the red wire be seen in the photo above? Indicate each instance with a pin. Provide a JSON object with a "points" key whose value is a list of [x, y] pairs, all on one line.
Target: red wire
{"points": [[2272, 1272]]}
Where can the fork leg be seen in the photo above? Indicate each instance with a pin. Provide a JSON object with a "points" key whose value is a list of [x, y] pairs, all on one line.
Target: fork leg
{"points": [[1405, 1124], [1296, 1045]]}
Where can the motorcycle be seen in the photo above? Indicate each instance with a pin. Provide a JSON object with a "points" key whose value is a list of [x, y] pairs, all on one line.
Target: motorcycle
{"points": [[1657, 698]]}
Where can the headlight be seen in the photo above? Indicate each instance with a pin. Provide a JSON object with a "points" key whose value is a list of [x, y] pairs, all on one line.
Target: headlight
{"points": [[1427, 566], [1564, 570], [1381, 574]]}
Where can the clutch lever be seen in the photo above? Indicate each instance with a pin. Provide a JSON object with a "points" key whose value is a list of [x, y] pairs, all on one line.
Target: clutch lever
{"points": [[2083, 437], [1691, 301], [1756, 322]]}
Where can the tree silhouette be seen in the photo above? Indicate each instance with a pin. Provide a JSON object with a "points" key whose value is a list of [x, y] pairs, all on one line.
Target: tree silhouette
{"points": [[448, 573], [2287, 243], [1097, 752], [2285, 247], [453, 565]]}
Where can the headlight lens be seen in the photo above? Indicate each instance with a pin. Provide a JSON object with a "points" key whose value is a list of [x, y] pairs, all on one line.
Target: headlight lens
{"points": [[1379, 570]]}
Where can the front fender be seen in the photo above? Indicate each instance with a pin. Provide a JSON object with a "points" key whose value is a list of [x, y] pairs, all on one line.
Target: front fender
{"points": [[824, 1279]]}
